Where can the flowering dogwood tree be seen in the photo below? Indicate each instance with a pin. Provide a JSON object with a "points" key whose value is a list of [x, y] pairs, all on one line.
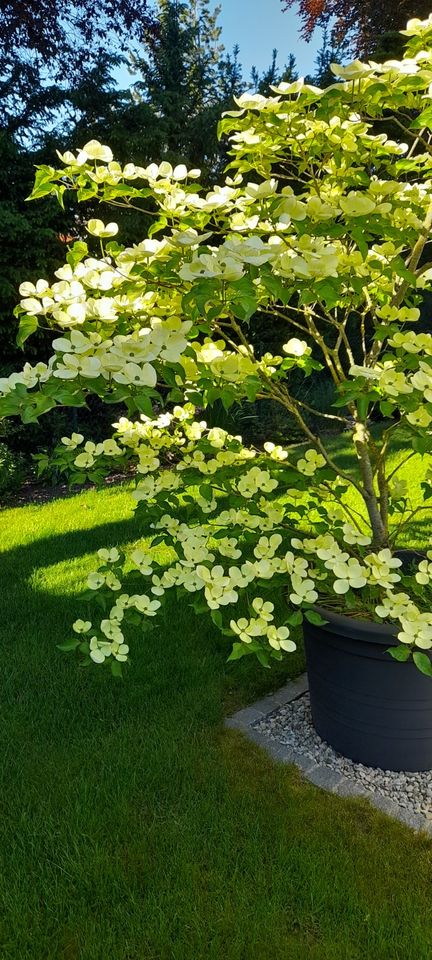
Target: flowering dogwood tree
{"points": [[323, 222]]}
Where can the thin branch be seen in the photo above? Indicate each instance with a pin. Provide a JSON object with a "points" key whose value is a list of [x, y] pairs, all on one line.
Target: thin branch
{"points": [[350, 511], [399, 465], [131, 206], [295, 323], [286, 401], [396, 533], [426, 266], [318, 413]]}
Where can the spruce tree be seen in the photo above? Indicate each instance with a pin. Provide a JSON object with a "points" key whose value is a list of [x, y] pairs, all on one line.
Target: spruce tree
{"points": [[186, 79]]}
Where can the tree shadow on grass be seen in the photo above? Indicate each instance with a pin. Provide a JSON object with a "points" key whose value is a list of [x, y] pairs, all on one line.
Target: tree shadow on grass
{"points": [[178, 673], [178, 669], [419, 535], [127, 822], [47, 687]]}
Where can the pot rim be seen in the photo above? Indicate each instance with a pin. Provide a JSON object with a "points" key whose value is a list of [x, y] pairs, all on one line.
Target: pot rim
{"points": [[354, 627]]}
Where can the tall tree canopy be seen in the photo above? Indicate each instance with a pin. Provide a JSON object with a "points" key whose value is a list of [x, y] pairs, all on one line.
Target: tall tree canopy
{"points": [[183, 76], [182, 79], [47, 43], [188, 79], [359, 23], [60, 30]]}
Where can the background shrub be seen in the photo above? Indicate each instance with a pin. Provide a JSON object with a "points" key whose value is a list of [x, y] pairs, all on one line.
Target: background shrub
{"points": [[12, 470], [266, 420]]}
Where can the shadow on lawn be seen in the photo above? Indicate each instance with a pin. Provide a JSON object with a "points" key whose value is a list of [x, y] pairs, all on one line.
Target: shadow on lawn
{"points": [[46, 689], [170, 665], [178, 673], [129, 825], [67, 545]]}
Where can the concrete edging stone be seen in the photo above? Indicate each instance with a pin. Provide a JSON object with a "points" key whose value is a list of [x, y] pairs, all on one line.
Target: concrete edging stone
{"points": [[317, 773]]}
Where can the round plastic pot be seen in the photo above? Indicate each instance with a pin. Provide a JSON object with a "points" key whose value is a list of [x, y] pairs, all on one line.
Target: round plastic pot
{"points": [[366, 705]]}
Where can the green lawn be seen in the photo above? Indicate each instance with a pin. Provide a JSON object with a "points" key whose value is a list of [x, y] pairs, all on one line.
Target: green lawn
{"points": [[133, 826], [413, 470]]}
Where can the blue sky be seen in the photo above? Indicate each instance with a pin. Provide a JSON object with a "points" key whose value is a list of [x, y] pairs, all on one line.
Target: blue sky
{"points": [[260, 25]]}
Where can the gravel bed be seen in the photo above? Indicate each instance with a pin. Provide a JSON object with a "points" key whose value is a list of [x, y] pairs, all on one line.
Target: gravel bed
{"points": [[292, 726]]}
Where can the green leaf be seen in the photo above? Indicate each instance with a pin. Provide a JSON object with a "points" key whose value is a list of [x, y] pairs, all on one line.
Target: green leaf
{"points": [[315, 618], [328, 291], [401, 653], [78, 479], [427, 490], [199, 607], [295, 619], [43, 464], [423, 663], [68, 645], [117, 395], [263, 658], [157, 226], [239, 650], [77, 253], [68, 393], [273, 284], [87, 662], [244, 307], [421, 445], [86, 193], [27, 326], [277, 655], [58, 192], [252, 388], [9, 404], [358, 236], [144, 405], [363, 407], [217, 618], [406, 165], [399, 267], [227, 398], [133, 617], [74, 399], [43, 184], [386, 408], [39, 404], [116, 670], [424, 119]]}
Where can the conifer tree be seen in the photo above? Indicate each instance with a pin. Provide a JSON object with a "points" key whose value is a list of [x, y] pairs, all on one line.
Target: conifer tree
{"points": [[187, 79]]}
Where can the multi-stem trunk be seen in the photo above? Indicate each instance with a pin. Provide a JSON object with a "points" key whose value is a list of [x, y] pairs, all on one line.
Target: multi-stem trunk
{"points": [[376, 504]]}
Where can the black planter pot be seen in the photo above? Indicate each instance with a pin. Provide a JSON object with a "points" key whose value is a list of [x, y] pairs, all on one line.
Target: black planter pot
{"points": [[365, 704]]}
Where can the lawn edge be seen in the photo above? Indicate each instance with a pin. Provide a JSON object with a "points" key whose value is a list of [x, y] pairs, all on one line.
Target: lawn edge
{"points": [[319, 774]]}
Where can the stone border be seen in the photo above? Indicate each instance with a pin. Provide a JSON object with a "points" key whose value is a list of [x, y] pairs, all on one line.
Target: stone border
{"points": [[317, 773]]}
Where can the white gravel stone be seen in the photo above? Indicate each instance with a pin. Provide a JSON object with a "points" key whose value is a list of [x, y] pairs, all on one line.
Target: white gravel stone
{"points": [[292, 726]]}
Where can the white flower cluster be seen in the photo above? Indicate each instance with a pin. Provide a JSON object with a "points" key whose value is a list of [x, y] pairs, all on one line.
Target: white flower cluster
{"points": [[124, 359], [30, 377], [198, 569], [261, 626], [342, 244], [416, 625]]}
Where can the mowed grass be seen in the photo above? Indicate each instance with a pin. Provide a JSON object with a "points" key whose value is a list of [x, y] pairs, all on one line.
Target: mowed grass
{"points": [[412, 469], [133, 826]]}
